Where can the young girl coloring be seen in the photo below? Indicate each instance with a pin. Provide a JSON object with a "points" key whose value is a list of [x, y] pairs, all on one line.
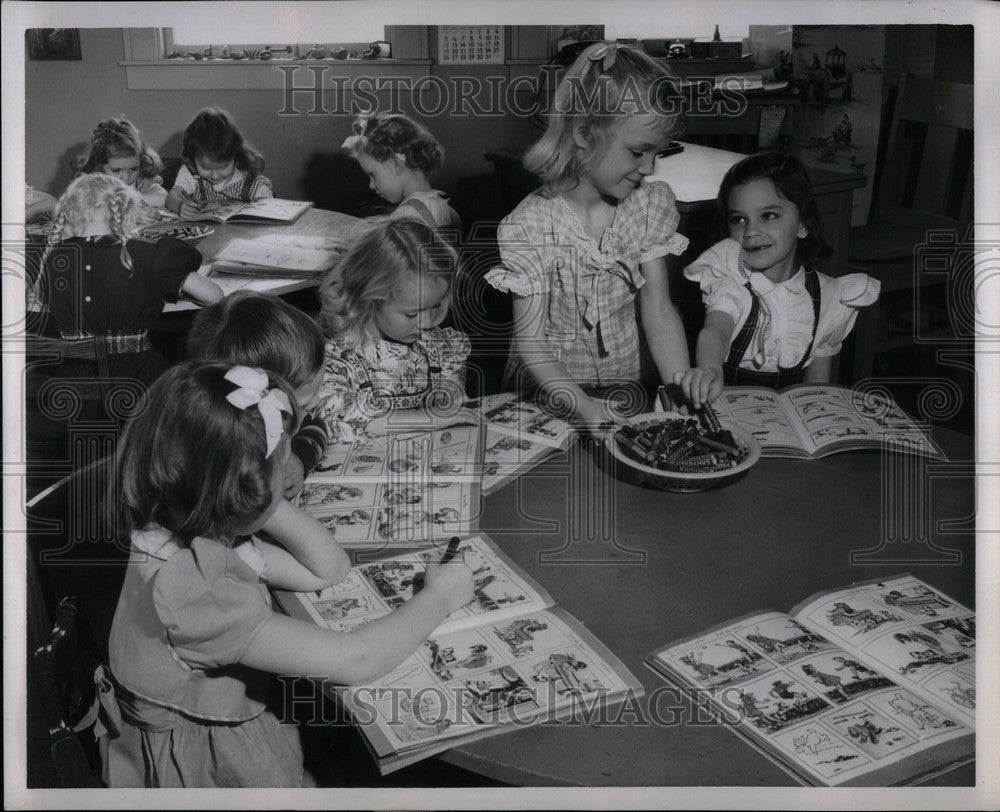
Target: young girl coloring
{"points": [[261, 330], [398, 155], [579, 251], [100, 284], [389, 365], [194, 634], [219, 165], [116, 148], [772, 320]]}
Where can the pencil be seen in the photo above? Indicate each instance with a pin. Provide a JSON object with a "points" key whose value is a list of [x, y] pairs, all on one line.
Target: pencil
{"points": [[449, 553]]}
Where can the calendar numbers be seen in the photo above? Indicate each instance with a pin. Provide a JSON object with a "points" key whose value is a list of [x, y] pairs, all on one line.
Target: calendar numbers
{"points": [[470, 44]]}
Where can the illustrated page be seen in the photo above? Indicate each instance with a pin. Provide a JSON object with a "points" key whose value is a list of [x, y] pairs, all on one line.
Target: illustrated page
{"points": [[922, 638], [808, 701], [759, 412], [501, 672]]}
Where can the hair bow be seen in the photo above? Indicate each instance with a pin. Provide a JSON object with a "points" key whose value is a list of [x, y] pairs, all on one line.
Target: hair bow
{"points": [[253, 391], [605, 53]]}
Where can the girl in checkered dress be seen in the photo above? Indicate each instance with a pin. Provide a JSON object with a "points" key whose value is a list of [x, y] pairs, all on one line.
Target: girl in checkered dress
{"points": [[585, 254], [219, 165]]}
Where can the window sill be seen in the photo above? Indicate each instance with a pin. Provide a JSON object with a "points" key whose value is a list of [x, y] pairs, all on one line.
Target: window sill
{"points": [[270, 74]]}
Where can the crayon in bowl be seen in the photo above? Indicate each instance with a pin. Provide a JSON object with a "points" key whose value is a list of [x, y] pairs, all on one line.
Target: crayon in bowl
{"points": [[680, 445]]}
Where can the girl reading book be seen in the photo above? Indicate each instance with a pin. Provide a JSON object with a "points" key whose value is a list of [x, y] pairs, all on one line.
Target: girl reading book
{"points": [[390, 366], [116, 148], [198, 473]]}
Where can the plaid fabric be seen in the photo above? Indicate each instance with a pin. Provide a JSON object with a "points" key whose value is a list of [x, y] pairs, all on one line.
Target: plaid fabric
{"points": [[243, 185], [590, 324], [116, 342]]}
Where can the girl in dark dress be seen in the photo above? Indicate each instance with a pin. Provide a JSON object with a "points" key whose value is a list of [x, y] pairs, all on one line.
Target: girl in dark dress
{"points": [[106, 290]]}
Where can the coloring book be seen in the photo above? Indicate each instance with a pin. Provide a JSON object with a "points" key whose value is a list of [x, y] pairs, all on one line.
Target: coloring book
{"points": [[872, 685], [399, 489], [519, 435], [264, 210], [507, 659], [811, 421]]}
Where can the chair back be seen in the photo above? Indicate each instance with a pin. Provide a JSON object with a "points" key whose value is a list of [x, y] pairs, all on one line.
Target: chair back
{"points": [[926, 181], [64, 668]]}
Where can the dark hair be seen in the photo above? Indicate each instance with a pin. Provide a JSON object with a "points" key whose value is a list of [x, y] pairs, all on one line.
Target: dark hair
{"points": [[258, 330], [792, 182], [192, 462], [117, 138], [213, 134], [386, 134]]}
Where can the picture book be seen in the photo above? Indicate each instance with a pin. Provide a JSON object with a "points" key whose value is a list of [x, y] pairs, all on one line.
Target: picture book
{"points": [[871, 685], [264, 210], [278, 255], [519, 435], [400, 489], [811, 421], [508, 659]]}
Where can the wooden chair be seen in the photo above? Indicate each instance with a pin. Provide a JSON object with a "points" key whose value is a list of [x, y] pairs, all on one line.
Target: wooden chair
{"points": [[923, 206], [63, 668]]}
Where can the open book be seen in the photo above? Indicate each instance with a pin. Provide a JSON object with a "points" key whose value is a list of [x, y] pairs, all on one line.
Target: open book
{"points": [[401, 489], [290, 255], [519, 435], [813, 420], [264, 210], [507, 659], [872, 685]]}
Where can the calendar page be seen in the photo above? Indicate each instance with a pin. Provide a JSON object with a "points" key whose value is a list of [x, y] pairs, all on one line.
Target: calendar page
{"points": [[470, 44]]}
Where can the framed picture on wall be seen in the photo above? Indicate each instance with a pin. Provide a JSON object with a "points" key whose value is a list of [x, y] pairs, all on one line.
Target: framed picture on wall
{"points": [[53, 43]]}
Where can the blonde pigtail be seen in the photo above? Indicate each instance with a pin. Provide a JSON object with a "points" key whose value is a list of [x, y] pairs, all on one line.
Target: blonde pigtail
{"points": [[55, 233], [117, 205]]}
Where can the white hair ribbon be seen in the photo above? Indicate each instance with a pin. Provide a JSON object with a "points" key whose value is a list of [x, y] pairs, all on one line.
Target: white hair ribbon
{"points": [[605, 54], [253, 391]]}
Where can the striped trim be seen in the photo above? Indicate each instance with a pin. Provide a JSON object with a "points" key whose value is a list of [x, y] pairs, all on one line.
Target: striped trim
{"points": [[115, 343]]}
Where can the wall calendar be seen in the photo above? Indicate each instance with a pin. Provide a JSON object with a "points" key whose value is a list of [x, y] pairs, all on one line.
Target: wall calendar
{"points": [[470, 44]]}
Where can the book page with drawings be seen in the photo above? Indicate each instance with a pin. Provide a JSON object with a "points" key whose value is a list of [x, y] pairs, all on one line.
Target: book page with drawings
{"points": [[273, 251], [923, 639], [811, 703], [760, 412]]}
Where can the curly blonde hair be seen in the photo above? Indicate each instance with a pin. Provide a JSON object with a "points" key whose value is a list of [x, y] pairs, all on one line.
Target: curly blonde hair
{"points": [[368, 274], [88, 196], [387, 134], [117, 138]]}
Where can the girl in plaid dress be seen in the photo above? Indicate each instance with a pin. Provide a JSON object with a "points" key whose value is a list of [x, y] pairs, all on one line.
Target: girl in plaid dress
{"points": [[219, 165], [389, 365], [577, 252]]}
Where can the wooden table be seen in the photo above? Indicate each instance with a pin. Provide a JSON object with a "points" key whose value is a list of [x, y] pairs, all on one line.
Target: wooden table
{"points": [[312, 223], [642, 568]]}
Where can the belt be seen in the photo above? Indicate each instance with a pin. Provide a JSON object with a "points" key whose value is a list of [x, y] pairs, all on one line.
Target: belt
{"points": [[115, 343]]}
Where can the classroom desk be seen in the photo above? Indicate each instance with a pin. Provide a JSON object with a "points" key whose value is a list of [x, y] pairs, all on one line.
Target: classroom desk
{"points": [[312, 223], [785, 531]]}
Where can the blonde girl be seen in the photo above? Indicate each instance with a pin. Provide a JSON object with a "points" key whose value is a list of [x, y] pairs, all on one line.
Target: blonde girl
{"points": [[399, 155], [578, 252], [194, 636], [116, 148], [102, 284], [390, 366]]}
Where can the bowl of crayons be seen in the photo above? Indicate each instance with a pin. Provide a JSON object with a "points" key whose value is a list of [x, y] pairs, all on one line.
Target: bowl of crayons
{"points": [[681, 453], [188, 233]]}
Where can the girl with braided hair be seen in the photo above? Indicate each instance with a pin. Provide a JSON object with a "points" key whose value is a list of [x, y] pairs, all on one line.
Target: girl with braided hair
{"points": [[101, 284], [116, 148], [398, 154]]}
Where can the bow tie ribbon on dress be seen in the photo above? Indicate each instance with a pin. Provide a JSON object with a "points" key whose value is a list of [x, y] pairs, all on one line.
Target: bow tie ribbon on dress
{"points": [[253, 391]]}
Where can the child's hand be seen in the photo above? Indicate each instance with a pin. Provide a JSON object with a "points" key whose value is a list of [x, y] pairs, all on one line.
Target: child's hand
{"points": [[452, 580], [700, 385], [295, 474], [189, 209], [596, 416]]}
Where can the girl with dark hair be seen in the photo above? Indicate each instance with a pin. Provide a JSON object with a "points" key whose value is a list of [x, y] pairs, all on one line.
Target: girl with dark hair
{"points": [[772, 319]]}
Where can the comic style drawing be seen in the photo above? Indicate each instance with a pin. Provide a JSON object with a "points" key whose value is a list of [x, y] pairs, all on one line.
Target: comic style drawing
{"points": [[856, 668], [779, 707], [842, 677], [922, 716], [496, 691], [723, 661], [565, 674], [393, 578], [519, 634], [492, 599], [402, 495], [445, 663], [394, 522], [785, 640], [839, 431], [832, 682], [508, 414], [916, 600], [862, 620], [964, 695], [873, 733], [930, 642], [812, 742], [503, 444], [410, 729], [355, 517], [339, 608], [542, 424], [960, 630], [313, 495]]}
